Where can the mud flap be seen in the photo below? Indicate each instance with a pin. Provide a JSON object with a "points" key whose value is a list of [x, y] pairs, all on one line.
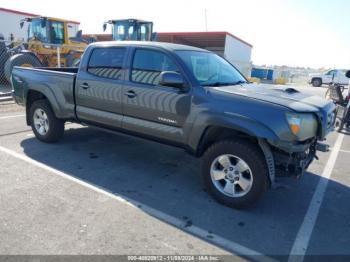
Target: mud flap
{"points": [[270, 162]]}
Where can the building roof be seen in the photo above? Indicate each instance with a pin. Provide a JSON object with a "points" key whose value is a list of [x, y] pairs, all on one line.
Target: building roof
{"points": [[99, 37], [28, 14], [200, 39]]}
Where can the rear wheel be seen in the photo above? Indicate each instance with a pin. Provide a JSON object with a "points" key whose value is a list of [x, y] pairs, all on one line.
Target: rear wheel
{"points": [[316, 82], [22, 59], [235, 173], [45, 125]]}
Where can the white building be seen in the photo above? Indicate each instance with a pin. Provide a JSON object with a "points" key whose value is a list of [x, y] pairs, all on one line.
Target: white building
{"points": [[10, 23], [225, 44]]}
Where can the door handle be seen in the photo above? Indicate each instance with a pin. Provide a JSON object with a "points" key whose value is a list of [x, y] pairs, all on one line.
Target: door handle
{"points": [[85, 85], [130, 94]]}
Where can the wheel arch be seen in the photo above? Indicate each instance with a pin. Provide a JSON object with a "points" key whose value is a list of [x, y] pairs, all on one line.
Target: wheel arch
{"points": [[221, 127], [216, 133], [37, 94], [213, 134]]}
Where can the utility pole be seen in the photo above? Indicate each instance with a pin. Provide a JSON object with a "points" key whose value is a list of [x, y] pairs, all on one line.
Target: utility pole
{"points": [[206, 20]]}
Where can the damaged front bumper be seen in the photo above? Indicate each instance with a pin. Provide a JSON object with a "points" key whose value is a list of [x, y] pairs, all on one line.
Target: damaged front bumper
{"points": [[294, 162]]}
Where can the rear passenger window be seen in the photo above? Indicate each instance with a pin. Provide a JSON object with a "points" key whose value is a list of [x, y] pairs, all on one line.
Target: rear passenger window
{"points": [[107, 62], [148, 64]]}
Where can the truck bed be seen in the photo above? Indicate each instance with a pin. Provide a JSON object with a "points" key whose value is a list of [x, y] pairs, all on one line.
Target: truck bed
{"points": [[56, 83]]}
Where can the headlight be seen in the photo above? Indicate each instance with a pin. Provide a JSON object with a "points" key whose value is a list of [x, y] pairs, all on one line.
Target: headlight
{"points": [[294, 122], [303, 126]]}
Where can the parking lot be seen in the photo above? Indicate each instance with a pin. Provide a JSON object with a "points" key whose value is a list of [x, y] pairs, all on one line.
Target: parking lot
{"points": [[101, 193]]}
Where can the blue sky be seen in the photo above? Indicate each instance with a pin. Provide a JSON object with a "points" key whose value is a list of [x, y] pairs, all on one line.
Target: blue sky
{"points": [[285, 32]]}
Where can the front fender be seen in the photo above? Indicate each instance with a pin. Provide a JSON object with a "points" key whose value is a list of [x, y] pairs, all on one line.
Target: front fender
{"points": [[232, 121]]}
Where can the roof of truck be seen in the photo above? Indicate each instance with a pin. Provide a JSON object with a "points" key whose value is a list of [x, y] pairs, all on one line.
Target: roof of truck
{"points": [[168, 46]]}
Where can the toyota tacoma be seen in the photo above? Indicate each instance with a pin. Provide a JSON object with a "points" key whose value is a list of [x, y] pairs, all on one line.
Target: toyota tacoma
{"points": [[246, 134]]}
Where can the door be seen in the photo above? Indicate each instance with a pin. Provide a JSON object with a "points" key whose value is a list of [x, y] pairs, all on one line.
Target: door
{"points": [[330, 76], [342, 79], [148, 107], [99, 87]]}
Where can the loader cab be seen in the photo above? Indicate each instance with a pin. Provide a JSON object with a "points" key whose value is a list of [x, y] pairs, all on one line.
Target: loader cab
{"points": [[45, 30], [131, 30], [50, 43]]}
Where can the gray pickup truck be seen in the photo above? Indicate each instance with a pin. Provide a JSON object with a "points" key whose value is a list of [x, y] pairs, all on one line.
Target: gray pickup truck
{"points": [[246, 134]]}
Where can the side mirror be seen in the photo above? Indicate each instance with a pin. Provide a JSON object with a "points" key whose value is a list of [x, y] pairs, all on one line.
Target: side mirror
{"points": [[347, 74], [171, 78], [104, 27], [21, 24]]}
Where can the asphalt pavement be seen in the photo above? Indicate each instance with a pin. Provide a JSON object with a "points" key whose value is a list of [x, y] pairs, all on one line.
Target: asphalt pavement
{"points": [[100, 193]]}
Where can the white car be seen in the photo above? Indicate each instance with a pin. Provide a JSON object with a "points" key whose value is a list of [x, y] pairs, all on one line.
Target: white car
{"points": [[335, 76]]}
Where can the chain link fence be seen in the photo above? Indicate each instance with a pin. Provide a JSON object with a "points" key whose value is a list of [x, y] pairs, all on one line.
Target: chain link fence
{"points": [[35, 54]]}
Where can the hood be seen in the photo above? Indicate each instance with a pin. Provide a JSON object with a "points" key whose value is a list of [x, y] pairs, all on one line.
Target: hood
{"points": [[281, 95], [315, 74]]}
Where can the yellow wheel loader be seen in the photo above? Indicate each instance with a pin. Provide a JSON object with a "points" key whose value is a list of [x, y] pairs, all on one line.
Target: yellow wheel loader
{"points": [[48, 45]]}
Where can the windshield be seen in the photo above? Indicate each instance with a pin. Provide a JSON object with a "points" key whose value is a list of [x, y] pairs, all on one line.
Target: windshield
{"points": [[36, 30], [124, 30], [210, 69]]}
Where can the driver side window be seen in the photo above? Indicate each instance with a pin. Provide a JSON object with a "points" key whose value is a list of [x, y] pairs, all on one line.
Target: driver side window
{"points": [[149, 64], [331, 73]]}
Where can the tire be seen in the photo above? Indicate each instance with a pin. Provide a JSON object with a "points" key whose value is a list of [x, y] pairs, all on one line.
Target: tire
{"points": [[53, 127], [256, 173], [339, 125], [316, 82], [22, 59]]}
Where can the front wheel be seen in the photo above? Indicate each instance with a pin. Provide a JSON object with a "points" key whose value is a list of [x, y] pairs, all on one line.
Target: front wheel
{"points": [[45, 125], [235, 173], [316, 82]]}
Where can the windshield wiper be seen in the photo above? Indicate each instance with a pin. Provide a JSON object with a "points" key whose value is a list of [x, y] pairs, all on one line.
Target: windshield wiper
{"points": [[239, 82], [225, 83], [218, 84]]}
